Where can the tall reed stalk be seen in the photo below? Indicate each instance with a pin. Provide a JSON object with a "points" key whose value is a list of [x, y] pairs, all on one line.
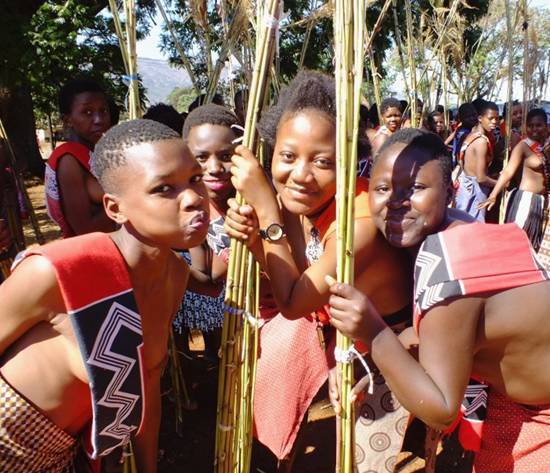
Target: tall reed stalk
{"points": [[239, 339], [412, 62], [349, 40], [510, 48], [127, 40]]}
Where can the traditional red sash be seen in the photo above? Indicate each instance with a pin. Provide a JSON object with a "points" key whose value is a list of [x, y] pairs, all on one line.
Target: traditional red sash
{"points": [[53, 196], [98, 295]]}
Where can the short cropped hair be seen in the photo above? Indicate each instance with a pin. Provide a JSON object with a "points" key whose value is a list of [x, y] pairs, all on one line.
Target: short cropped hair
{"points": [[537, 112], [71, 89], [485, 106], [166, 114], [390, 102], [211, 114], [430, 143], [109, 152], [309, 90]]}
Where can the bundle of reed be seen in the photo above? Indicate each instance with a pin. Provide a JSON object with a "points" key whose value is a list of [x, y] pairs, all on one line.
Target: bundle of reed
{"points": [[349, 29], [412, 62], [510, 48], [238, 354], [127, 41], [234, 32]]}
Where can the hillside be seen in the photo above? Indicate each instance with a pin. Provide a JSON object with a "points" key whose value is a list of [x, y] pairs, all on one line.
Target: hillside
{"points": [[160, 79]]}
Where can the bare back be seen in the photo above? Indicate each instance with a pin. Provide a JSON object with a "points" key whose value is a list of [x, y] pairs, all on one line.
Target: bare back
{"points": [[512, 349]]}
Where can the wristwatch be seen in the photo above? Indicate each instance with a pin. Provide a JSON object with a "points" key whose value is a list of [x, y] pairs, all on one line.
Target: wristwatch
{"points": [[274, 232]]}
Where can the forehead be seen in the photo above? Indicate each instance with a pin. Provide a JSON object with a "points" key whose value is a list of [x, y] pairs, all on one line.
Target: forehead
{"points": [[401, 161], [89, 98], [489, 113], [208, 132], [161, 158], [312, 122]]}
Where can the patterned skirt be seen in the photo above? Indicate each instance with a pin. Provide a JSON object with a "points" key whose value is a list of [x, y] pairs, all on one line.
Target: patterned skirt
{"points": [[29, 441], [526, 209]]}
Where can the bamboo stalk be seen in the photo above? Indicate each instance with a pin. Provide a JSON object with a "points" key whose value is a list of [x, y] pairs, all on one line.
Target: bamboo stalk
{"points": [[134, 109], [349, 28], [399, 43], [233, 429], [184, 59], [378, 24], [412, 63], [526, 66], [510, 47]]}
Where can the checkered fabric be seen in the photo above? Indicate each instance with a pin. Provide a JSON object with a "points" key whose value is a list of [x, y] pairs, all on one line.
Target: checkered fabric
{"points": [[29, 441]]}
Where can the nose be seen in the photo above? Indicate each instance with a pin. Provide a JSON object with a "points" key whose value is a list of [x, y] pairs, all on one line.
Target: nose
{"points": [[191, 199], [214, 166], [301, 174], [398, 199], [99, 118]]}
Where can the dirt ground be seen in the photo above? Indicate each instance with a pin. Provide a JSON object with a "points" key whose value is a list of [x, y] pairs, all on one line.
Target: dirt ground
{"points": [[193, 449]]}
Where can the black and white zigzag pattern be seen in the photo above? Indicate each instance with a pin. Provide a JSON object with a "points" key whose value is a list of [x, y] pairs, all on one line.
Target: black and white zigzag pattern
{"points": [[217, 239], [103, 356]]}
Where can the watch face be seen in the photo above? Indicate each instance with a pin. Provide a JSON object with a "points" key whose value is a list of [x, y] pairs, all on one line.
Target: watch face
{"points": [[274, 232]]}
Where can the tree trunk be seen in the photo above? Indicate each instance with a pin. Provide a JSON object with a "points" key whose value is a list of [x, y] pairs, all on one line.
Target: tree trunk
{"points": [[16, 112]]}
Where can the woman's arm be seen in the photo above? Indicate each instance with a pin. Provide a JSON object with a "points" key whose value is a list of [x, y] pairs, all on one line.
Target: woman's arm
{"points": [[505, 177], [433, 387]]}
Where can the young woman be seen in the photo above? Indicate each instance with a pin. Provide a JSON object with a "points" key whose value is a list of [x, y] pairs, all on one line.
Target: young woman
{"points": [[210, 131], [295, 218], [481, 310], [527, 204], [73, 195], [390, 109]]}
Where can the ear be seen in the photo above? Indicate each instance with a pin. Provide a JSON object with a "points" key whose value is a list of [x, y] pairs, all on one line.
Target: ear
{"points": [[111, 204]]}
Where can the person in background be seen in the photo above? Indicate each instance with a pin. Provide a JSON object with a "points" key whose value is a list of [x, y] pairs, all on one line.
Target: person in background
{"points": [[476, 154], [73, 195]]}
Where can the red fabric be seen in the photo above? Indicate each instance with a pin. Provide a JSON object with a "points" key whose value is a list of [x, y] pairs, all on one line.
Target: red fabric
{"points": [[500, 258], [291, 369], [53, 197], [93, 250], [516, 438], [292, 366]]}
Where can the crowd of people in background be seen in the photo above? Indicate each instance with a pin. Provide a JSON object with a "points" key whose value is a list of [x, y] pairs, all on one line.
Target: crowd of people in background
{"points": [[419, 177]]}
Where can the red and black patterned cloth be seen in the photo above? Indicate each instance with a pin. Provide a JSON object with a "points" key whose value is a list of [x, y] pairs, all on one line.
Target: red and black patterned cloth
{"points": [[470, 260]]}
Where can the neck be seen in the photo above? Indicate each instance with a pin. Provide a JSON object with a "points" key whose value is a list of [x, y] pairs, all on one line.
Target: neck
{"points": [[480, 129], [220, 205], [74, 137], [146, 263]]}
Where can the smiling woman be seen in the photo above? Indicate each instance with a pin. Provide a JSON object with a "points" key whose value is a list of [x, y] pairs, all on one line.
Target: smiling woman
{"points": [[302, 203]]}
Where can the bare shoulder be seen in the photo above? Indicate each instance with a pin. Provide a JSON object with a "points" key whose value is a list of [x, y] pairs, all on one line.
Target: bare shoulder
{"points": [[366, 234], [32, 291]]}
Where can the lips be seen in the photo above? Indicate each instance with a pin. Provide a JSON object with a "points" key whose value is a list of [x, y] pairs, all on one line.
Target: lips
{"points": [[199, 221], [216, 184]]}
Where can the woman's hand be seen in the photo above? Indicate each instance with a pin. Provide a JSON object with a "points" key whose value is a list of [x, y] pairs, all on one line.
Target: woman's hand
{"points": [[241, 223], [352, 313], [356, 395], [487, 204], [249, 179]]}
